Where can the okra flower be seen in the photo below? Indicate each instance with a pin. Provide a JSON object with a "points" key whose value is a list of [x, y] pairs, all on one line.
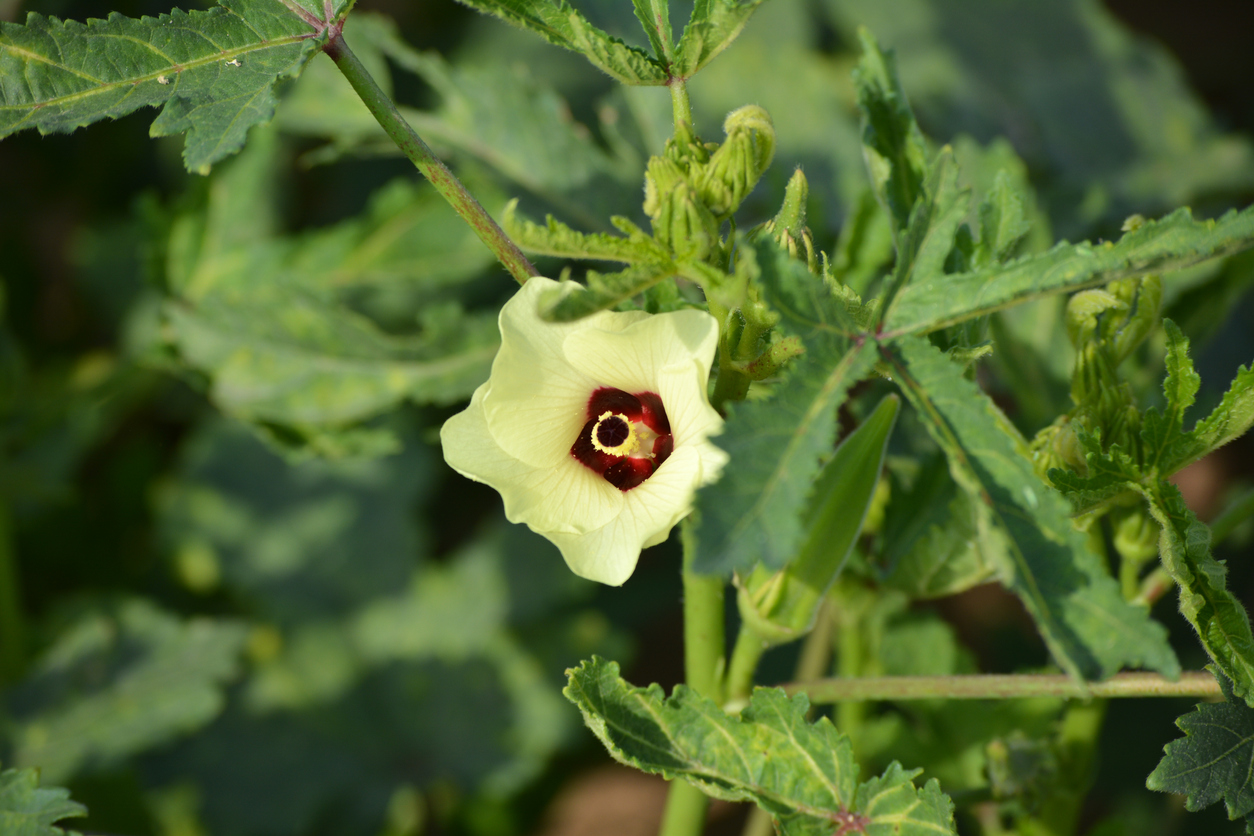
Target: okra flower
{"points": [[594, 432]]}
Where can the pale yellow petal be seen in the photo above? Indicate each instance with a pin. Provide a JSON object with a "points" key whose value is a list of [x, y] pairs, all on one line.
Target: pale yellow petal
{"points": [[631, 359], [692, 419], [538, 402], [567, 498], [609, 554]]}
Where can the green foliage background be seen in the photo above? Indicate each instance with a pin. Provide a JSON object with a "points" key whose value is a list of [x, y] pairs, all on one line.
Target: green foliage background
{"points": [[252, 598]]}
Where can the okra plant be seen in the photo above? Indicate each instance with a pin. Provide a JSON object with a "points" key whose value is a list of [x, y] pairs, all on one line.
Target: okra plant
{"points": [[838, 395]]}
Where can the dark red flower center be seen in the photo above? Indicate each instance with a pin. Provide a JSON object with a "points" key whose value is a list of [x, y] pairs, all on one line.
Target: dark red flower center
{"points": [[626, 437]]}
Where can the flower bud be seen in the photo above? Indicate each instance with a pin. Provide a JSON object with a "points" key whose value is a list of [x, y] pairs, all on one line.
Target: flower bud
{"points": [[788, 227], [683, 223], [735, 168]]}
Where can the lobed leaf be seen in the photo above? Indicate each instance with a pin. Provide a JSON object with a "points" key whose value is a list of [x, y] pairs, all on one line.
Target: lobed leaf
{"points": [[895, 150], [931, 543], [1221, 622], [711, 29], [1231, 419], [562, 24], [933, 222], [779, 443], [119, 682], [1089, 628], [1212, 761], [557, 239], [571, 302], [212, 73], [804, 774], [1172, 243], [1003, 221], [26, 809], [1162, 431]]}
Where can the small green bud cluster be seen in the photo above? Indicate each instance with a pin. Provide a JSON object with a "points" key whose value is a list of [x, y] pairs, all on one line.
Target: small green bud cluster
{"points": [[693, 187], [1105, 325]]}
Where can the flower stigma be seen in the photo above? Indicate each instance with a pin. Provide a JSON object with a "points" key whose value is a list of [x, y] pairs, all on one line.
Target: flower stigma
{"points": [[614, 434], [626, 437]]}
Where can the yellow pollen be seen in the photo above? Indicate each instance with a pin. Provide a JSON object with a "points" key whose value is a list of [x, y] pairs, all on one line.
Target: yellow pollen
{"points": [[611, 425]]}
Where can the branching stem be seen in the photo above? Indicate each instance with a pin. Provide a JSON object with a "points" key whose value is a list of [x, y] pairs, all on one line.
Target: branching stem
{"points": [[444, 181]]}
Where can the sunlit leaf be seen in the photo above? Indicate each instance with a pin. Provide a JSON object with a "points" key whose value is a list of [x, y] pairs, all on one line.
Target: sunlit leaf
{"points": [[1172, 243], [213, 72], [560, 23], [1212, 761], [27, 809], [1089, 628], [713, 26], [803, 774], [778, 444]]}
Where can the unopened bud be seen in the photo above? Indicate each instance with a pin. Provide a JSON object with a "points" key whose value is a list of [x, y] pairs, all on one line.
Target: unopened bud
{"points": [[684, 224], [735, 168]]}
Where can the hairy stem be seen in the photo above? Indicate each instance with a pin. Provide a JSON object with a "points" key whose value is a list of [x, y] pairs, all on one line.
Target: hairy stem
{"points": [[704, 648], [444, 181], [680, 106], [1002, 686]]}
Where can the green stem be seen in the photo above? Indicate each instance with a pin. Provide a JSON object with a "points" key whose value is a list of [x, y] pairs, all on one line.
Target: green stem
{"points": [[680, 106], [1156, 584], [12, 624], [704, 648], [744, 664], [444, 181], [814, 661], [849, 691], [850, 711]]}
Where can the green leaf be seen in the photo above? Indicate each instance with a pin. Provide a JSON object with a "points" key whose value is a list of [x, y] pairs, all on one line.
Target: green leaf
{"points": [[26, 809], [1212, 761], [1231, 419], [1090, 630], [931, 537], [571, 302], [778, 444], [266, 326], [560, 23], [1175, 242], [803, 774], [278, 352], [212, 73], [657, 29], [283, 534], [1162, 432], [1003, 222], [895, 150], [119, 682], [933, 223], [711, 29], [1221, 622], [557, 239]]}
